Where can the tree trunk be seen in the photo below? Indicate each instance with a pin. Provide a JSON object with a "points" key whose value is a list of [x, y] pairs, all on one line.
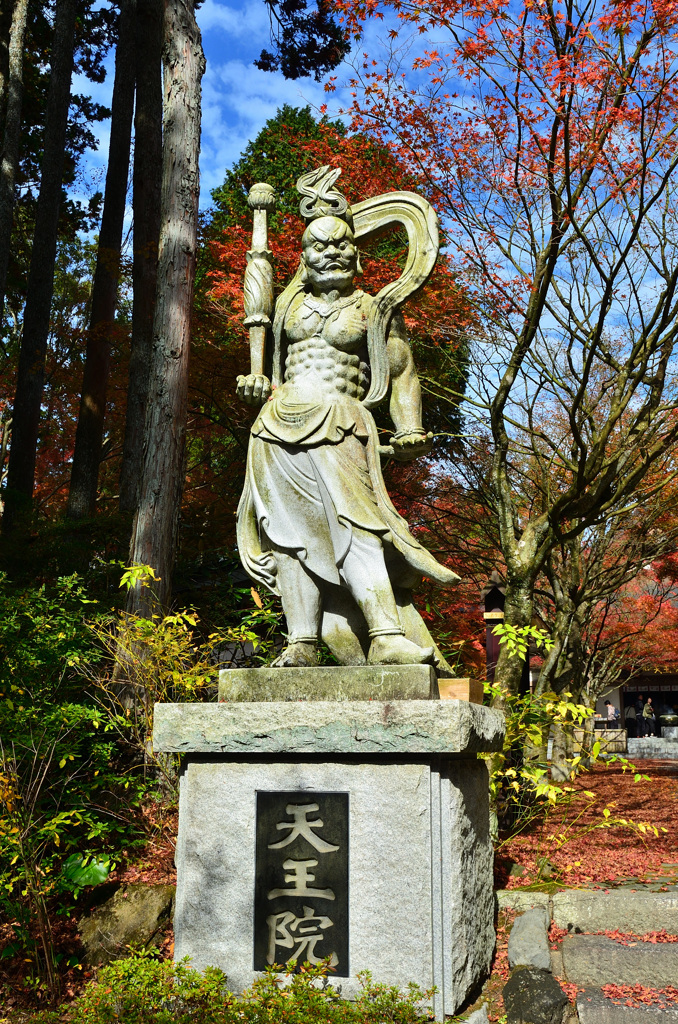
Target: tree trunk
{"points": [[89, 435], [5, 23], [556, 664], [9, 159], [146, 204], [517, 612], [33, 351], [156, 522], [560, 769]]}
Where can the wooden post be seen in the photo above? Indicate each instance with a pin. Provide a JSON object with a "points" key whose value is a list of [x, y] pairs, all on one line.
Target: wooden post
{"points": [[493, 613]]}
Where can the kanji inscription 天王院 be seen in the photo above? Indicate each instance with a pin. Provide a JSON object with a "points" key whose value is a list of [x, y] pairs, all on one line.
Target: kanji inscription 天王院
{"points": [[301, 888]]}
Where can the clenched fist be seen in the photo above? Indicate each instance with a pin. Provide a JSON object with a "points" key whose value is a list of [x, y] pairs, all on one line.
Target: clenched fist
{"points": [[254, 388]]}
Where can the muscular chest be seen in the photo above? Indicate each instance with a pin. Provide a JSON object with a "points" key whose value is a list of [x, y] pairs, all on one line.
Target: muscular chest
{"points": [[344, 329]]}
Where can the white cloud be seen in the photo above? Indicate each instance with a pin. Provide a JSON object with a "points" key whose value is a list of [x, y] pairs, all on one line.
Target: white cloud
{"points": [[249, 21], [238, 99]]}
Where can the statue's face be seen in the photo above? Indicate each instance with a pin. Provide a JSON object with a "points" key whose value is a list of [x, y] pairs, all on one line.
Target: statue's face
{"points": [[330, 254]]}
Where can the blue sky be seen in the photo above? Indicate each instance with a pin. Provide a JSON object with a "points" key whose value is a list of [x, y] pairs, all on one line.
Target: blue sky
{"points": [[237, 98]]}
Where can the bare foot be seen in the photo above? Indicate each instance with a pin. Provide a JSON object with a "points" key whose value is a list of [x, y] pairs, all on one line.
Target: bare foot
{"points": [[299, 655], [398, 650]]}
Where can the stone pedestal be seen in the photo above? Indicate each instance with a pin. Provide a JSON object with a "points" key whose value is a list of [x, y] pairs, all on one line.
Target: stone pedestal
{"points": [[383, 835]]}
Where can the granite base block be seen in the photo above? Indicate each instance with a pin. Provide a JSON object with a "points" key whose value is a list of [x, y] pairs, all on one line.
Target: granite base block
{"points": [[420, 869], [420, 896]]}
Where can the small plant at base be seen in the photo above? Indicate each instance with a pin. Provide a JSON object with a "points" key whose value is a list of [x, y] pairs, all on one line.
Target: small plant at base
{"points": [[144, 990]]}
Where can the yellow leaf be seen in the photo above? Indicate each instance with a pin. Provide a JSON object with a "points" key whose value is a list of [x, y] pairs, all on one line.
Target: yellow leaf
{"points": [[255, 597]]}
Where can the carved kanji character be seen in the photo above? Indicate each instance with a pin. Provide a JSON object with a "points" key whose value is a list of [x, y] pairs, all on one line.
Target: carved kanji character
{"points": [[302, 827], [300, 877]]}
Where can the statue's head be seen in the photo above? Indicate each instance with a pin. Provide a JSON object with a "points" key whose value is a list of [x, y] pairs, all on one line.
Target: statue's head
{"points": [[329, 254]]}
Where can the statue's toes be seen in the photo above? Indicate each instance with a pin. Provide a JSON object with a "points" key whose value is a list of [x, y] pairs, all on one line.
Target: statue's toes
{"points": [[297, 655], [398, 650]]}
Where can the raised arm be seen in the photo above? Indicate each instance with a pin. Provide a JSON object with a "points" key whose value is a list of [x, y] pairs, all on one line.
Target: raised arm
{"points": [[410, 439]]}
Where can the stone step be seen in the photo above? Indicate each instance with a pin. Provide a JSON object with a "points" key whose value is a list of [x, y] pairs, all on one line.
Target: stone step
{"points": [[590, 910], [598, 960], [594, 1008], [520, 900], [652, 747]]}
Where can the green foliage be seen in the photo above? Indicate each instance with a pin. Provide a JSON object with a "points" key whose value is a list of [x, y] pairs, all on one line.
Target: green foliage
{"points": [[43, 636], [520, 787], [79, 871], [67, 800], [145, 990], [517, 639], [270, 158], [165, 659]]}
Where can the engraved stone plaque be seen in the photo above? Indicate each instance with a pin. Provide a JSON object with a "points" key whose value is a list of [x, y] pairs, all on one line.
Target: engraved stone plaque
{"points": [[301, 882]]}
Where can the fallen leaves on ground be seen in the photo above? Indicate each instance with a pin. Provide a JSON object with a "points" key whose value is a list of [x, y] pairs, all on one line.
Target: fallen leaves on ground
{"points": [[601, 856], [570, 989], [499, 972], [500, 964], [629, 939], [155, 864], [556, 935], [638, 995]]}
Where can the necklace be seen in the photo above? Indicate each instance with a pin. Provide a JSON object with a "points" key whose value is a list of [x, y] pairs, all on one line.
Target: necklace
{"points": [[325, 309]]}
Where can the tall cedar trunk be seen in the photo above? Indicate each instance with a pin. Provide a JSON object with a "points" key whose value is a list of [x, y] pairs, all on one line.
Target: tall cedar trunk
{"points": [[33, 351], [89, 435], [9, 158], [5, 22], [156, 522], [146, 202]]}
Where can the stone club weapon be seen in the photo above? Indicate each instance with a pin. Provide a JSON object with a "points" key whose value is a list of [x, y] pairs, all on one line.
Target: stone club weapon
{"points": [[258, 283]]}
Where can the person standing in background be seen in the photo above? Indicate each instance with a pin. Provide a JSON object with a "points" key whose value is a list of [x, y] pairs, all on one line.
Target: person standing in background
{"points": [[612, 713], [640, 722], [630, 718]]}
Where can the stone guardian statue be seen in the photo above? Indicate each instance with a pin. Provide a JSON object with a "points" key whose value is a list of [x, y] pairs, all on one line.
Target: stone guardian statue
{"points": [[315, 523]]}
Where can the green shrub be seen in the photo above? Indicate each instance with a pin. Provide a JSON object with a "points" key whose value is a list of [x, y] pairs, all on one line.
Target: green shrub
{"points": [[144, 990], [68, 801]]}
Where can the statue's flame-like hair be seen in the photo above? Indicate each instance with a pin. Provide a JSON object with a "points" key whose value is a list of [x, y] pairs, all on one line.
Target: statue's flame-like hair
{"points": [[320, 199]]}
